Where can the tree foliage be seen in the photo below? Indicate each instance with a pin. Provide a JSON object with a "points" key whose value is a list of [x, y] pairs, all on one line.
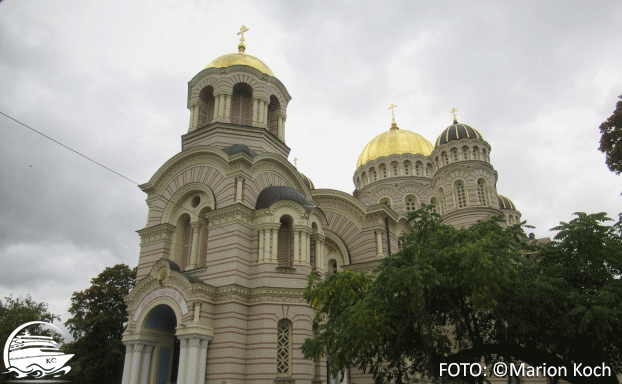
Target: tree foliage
{"points": [[469, 295], [17, 311], [611, 139], [98, 320]]}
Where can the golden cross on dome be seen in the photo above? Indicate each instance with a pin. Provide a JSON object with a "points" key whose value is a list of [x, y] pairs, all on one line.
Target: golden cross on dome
{"points": [[453, 112], [393, 124], [242, 46], [295, 162]]}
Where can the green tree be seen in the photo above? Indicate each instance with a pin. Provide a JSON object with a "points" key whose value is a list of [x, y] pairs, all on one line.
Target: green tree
{"points": [[611, 139], [98, 320], [18, 311], [468, 295]]}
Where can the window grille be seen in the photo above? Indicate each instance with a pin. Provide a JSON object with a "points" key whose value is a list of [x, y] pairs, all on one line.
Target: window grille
{"points": [[283, 348], [481, 194], [460, 195]]}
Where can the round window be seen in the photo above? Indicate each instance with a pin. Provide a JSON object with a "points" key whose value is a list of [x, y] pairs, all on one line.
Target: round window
{"points": [[195, 201]]}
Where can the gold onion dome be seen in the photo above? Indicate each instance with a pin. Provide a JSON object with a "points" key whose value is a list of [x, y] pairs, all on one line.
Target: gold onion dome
{"points": [[240, 59], [505, 203], [394, 142], [456, 132]]}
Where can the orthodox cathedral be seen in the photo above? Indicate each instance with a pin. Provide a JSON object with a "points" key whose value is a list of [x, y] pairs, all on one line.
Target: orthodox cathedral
{"points": [[234, 229]]}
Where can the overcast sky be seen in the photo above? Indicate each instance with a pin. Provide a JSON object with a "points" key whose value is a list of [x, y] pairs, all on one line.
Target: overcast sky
{"points": [[109, 79]]}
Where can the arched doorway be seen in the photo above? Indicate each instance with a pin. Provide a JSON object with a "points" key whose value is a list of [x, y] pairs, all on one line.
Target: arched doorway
{"points": [[160, 323]]}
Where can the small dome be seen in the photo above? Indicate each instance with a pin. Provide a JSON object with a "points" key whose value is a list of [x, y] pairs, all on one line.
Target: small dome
{"points": [[456, 132], [232, 59], [394, 142], [271, 195], [235, 148], [307, 181], [505, 203]]}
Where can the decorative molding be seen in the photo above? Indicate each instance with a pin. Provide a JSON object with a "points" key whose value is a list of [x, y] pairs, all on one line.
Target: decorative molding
{"points": [[193, 186], [156, 233]]}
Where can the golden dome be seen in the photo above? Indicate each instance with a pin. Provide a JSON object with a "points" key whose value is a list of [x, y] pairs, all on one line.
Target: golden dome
{"points": [[395, 142], [240, 59]]}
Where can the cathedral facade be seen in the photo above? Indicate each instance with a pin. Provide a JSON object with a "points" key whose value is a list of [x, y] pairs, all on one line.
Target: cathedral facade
{"points": [[234, 229]]}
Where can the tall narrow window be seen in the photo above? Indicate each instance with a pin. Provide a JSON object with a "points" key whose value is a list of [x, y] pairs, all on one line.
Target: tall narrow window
{"points": [[207, 109], [445, 158], [475, 150], [417, 168], [241, 104], [375, 175], [460, 194], [406, 168], [484, 155], [442, 203], [273, 110], [454, 154], [394, 169], [186, 245], [433, 202], [465, 153], [283, 348], [428, 170], [384, 172], [481, 193], [284, 251]]}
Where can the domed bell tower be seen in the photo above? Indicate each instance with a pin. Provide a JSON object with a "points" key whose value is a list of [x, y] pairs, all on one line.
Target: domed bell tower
{"points": [[237, 99], [464, 181]]}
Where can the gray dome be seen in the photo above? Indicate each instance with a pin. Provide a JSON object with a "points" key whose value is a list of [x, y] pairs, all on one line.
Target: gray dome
{"points": [[271, 195]]}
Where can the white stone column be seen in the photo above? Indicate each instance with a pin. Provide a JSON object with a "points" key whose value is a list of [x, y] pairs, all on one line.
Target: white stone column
{"points": [[238, 192], [227, 107], [255, 112], [379, 243], [136, 358], [203, 359], [265, 113], [308, 250], [216, 106], [146, 365], [296, 246], [318, 264], [197, 311], [191, 123], [193, 358], [273, 254], [222, 106], [127, 365], [260, 111], [197, 114], [303, 247], [194, 254], [183, 359], [279, 124], [260, 251], [322, 261]]}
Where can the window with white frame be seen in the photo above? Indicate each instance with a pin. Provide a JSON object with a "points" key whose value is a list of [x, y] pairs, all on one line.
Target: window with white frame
{"points": [[283, 348], [460, 194], [481, 192]]}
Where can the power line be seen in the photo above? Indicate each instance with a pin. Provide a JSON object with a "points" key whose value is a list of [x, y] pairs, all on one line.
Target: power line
{"points": [[71, 149]]}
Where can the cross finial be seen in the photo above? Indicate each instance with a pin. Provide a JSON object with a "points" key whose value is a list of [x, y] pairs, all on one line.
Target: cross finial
{"points": [[295, 162], [453, 112], [393, 124], [242, 46]]}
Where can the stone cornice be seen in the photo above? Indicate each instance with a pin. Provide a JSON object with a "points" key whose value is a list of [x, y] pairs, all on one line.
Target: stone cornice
{"points": [[156, 233]]}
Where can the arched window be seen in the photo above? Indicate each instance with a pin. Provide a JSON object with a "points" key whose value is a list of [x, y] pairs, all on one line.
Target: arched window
{"points": [[428, 170], [407, 168], [273, 111], [241, 104], [332, 266], [436, 162], [385, 200], [454, 154], [460, 194], [484, 157], [465, 153], [383, 168], [283, 348], [433, 202], [365, 181], [410, 203], [418, 167], [475, 153], [481, 193], [186, 250], [394, 167], [510, 220], [445, 158], [373, 171], [207, 109], [284, 247]]}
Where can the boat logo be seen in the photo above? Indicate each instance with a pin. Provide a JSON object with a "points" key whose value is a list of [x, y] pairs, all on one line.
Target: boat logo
{"points": [[34, 356]]}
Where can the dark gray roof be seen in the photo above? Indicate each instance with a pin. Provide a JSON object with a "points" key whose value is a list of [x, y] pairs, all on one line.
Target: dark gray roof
{"points": [[235, 148], [271, 195], [456, 132]]}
